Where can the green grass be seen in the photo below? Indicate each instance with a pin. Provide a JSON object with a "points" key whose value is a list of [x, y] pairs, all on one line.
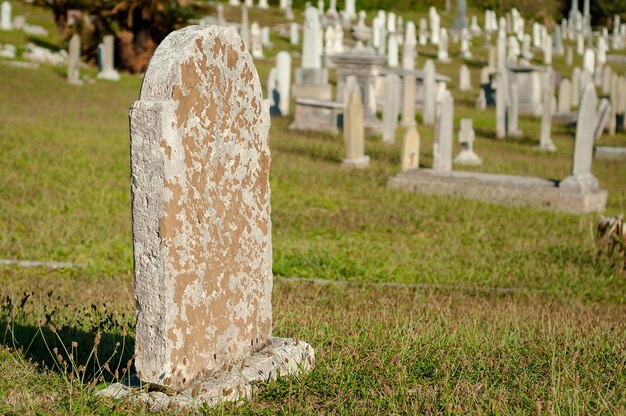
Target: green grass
{"points": [[511, 313]]}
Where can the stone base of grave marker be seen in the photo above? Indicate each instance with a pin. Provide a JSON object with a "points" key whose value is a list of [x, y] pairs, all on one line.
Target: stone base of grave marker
{"points": [[548, 146], [112, 75], [467, 157], [360, 163], [317, 115], [522, 191], [282, 357], [610, 153]]}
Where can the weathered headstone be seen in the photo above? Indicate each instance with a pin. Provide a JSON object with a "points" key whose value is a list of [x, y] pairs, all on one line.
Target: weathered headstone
{"points": [[581, 179], [108, 71], [565, 96], [73, 61], [5, 16], [354, 127], [466, 139], [390, 108], [200, 163], [444, 130]]}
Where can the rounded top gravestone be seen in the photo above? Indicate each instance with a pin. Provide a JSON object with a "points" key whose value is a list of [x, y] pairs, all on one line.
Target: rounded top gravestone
{"points": [[200, 164]]}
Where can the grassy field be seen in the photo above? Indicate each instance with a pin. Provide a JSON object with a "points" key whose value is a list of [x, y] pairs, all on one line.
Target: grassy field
{"points": [[502, 311]]}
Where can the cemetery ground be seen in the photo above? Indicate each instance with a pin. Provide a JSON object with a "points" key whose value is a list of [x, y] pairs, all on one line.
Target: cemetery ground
{"points": [[427, 305]]}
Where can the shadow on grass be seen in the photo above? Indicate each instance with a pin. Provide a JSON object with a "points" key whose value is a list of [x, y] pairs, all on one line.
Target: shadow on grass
{"points": [[44, 43], [99, 351]]}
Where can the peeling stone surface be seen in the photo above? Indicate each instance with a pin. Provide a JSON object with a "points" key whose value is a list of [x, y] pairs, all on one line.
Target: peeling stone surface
{"points": [[200, 164], [282, 357]]}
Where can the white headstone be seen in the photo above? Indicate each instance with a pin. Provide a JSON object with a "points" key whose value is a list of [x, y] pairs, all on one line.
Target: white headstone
{"points": [[5, 16], [283, 73], [108, 70], [73, 61], [350, 9], [565, 96], [466, 139], [311, 42], [442, 52], [582, 180], [256, 42], [435, 29], [545, 140], [444, 131], [430, 93], [294, 34], [354, 127], [390, 108], [465, 81], [423, 34], [392, 51], [589, 61]]}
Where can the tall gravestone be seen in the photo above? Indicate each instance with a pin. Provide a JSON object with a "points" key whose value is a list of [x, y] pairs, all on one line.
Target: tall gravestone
{"points": [[283, 73], [460, 20], [354, 126], [409, 85], [244, 27], [390, 108], [294, 34], [465, 82], [73, 61], [430, 93], [545, 139], [200, 163], [108, 71], [467, 136], [581, 179], [444, 131]]}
